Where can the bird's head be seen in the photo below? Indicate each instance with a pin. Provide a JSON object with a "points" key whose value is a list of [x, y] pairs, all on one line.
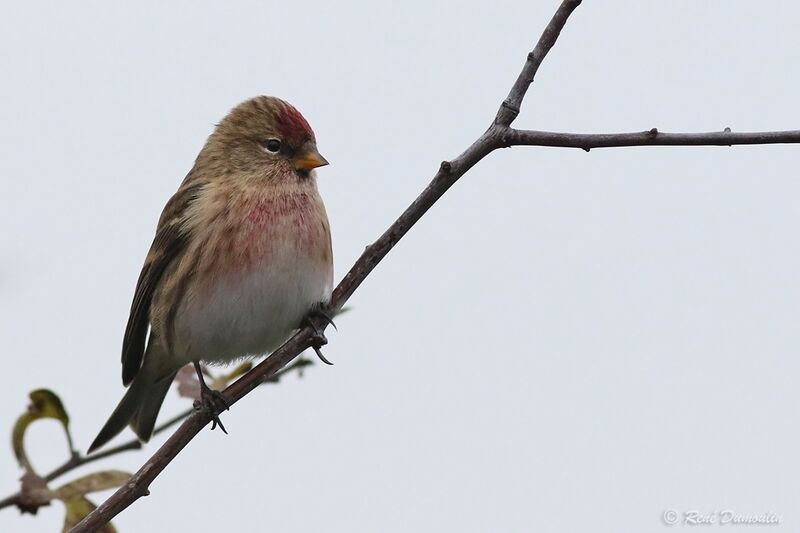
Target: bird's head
{"points": [[266, 136]]}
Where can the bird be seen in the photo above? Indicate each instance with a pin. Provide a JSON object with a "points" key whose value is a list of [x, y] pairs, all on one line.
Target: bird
{"points": [[242, 255]]}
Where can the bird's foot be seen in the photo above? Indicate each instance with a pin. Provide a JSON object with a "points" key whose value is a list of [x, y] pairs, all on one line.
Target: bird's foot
{"points": [[213, 402], [321, 312], [319, 340]]}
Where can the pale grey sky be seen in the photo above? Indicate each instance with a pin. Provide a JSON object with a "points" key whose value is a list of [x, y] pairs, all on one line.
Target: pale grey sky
{"points": [[568, 341]]}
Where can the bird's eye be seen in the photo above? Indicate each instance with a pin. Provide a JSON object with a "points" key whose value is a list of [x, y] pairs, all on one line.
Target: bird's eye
{"points": [[272, 145]]}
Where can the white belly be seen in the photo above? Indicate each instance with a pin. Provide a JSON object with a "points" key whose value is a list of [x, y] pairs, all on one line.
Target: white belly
{"points": [[254, 313]]}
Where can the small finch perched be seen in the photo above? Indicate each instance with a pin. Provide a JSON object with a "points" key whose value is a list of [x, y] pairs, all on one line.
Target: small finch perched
{"points": [[242, 254]]}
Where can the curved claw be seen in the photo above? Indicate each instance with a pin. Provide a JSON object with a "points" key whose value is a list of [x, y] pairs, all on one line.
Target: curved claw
{"points": [[208, 405], [217, 422], [327, 317], [319, 312], [319, 339], [321, 357]]}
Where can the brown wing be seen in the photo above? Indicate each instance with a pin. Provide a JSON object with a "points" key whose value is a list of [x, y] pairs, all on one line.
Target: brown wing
{"points": [[169, 242]]}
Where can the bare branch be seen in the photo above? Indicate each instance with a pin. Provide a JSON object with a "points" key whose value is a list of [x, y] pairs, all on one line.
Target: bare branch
{"points": [[511, 106], [653, 137], [498, 135], [10, 500]]}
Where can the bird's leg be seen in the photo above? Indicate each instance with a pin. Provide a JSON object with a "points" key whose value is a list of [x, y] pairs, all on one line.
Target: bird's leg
{"points": [[319, 340], [212, 401]]}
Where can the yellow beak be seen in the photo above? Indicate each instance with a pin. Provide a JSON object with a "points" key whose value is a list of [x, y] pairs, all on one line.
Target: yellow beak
{"points": [[309, 160]]}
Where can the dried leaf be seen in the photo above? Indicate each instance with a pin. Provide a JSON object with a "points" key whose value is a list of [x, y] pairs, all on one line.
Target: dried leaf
{"points": [[107, 479], [77, 509], [33, 493], [188, 384]]}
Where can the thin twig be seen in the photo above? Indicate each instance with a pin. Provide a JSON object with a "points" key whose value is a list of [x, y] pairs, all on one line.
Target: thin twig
{"points": [[652, 137], [8, 501], [77, 460], [133, 444], [510, 107]]}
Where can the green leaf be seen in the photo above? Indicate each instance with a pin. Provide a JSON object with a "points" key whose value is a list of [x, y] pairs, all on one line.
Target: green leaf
{"points": [[44, 404], [48, 405], [17, 436]]}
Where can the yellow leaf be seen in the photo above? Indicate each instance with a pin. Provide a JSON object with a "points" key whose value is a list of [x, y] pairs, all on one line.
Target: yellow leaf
{"points": [[107, 479], [223, 381], [77, 509]]}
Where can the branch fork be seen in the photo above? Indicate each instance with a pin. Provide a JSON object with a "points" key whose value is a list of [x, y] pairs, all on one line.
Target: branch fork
{"points": [[499, 135]]}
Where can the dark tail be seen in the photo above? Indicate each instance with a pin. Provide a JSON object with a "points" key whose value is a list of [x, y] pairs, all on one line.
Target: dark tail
{"points": [[139, 408]]}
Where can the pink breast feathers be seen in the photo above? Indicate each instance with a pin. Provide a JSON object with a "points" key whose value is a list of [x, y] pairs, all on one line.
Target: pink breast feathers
{"points": [[277, 228], [281, 223]]}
